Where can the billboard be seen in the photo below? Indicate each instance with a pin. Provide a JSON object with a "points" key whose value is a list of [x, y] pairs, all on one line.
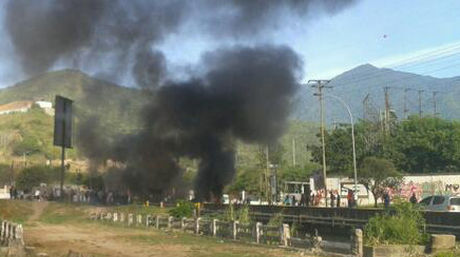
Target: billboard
{"points": [[63, 122]]}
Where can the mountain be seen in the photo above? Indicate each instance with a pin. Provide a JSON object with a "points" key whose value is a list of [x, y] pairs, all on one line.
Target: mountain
{"points": [[354, 85], [113, 104]]}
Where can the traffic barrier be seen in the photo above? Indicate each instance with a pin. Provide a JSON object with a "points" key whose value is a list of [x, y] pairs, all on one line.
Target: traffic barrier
{"points": [[11, 234]]}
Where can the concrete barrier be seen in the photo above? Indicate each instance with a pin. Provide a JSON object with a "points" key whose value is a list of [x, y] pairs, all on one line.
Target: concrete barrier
{"points": [[441, 243], [11, 234]]}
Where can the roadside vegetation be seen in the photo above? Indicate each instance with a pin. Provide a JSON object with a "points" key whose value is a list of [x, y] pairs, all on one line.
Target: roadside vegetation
{"points": [[403, 224]]}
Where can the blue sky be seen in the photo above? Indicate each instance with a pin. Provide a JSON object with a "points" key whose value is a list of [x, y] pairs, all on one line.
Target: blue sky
{"points": [[424, 33], [383, 33]]}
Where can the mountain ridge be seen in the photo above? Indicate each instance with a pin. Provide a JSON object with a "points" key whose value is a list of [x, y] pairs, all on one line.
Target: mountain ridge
{"points": [[354, 85]]}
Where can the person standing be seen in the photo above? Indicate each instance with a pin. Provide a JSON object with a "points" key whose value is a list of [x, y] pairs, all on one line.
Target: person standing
{"points": [[386, 199], [293, 200], [338, 199], [332, 195], [350, 198], [413, 198]]}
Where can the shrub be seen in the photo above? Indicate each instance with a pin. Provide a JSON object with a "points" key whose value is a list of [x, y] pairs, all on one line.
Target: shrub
{"points": [[182, 209], [276, 220], [229, 213], [243, 215], [445, 254], [401, 227], [32, 176]]}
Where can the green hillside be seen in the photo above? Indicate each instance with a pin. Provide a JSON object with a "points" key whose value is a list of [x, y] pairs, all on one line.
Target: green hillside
{"points": [[29, 134], [114, 105]]}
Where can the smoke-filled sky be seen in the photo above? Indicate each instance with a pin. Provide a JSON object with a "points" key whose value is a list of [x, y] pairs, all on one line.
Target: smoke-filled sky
{"points": [[384, 33]]}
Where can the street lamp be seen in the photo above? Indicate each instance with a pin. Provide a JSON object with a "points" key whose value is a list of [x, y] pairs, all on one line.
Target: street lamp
{"points": [[352, 139]]}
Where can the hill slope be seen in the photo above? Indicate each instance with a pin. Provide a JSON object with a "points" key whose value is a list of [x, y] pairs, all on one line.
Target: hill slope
{"points": [[353, 86], [114, 105]]}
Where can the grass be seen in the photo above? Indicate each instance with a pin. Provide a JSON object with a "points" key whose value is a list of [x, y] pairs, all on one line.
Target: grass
{"points": [[60, 213], [203, 246], [15, 210], [139, 209]]}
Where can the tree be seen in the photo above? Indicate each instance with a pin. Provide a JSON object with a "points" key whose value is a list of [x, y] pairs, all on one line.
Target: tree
{"points": [[339, 156], [6, 174], [33, 176], [377, 174], [426, 145], [416, 145]]}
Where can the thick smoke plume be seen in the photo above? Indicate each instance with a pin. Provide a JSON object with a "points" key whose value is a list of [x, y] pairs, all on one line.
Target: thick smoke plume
{"points": [[242, 93], [245, 94], [123, 35]]}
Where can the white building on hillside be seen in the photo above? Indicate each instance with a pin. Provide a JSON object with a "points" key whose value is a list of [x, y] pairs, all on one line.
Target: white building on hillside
{"points": [[44, 104]]}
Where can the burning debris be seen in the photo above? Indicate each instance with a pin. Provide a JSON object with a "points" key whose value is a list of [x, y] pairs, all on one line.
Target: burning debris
{"points": [[242, 92]]}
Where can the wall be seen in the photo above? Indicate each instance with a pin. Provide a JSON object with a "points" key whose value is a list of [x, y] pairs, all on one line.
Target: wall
{"points": [[425, 185]]}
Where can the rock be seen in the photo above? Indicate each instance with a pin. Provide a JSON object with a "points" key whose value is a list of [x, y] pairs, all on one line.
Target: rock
{"points": [[442, 242]]}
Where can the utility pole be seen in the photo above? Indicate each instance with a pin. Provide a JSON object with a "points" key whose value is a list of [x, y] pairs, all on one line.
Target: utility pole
{"points": [[267, 174], [365, 108], [387, 109], [320, 85], [420, 111], [293, 152], [435, 107], [406, 110]]}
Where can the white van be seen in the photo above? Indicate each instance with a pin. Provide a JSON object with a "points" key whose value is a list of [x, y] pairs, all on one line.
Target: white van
{"points": [[441, 203]]}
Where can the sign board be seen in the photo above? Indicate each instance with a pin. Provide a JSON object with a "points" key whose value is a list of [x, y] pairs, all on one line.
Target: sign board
{"points": [[63, 122]]}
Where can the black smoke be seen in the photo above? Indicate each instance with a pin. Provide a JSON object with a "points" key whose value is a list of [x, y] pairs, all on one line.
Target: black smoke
{"points": [[245, 94], [89, 31], [122, 35], [241, 93]]}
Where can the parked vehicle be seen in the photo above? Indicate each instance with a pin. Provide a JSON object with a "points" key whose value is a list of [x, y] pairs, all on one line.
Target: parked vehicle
{"points": [[441, 203]]}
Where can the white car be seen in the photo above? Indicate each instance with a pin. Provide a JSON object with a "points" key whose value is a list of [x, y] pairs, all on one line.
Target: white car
{"points": [[441, 203]]}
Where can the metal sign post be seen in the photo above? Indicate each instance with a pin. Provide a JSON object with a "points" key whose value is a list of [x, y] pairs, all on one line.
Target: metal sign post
{"points": [[63, 131]]}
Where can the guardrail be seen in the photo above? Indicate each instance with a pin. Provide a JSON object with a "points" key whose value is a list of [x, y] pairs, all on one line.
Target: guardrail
{"points": [[436, 222]]}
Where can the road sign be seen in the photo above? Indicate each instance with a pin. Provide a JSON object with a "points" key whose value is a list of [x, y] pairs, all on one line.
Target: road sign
{"points": [[63, 122]]}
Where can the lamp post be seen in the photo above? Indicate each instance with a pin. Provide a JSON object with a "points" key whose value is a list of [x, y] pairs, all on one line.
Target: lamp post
{"points": [[352, 139]]}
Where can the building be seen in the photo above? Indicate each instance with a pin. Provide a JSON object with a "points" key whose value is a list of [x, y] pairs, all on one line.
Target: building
{"points": [[5, 192], [46, 106], [17, 106]]}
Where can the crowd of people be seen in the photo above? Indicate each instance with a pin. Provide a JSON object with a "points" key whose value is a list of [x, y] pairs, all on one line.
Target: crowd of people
{"points": [[72, 194], [318, 198]]}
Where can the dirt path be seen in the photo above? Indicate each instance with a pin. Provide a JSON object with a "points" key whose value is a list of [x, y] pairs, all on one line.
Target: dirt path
{"points": [[96, 239], [102, 240], [38, 208]]}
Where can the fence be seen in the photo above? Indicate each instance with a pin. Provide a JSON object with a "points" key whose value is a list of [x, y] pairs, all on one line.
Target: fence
{"points": [[436, 222], [11, 234], [258, 233]]}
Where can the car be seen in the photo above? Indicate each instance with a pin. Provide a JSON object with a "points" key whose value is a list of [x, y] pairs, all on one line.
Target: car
{"points": [[441, 203]]}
